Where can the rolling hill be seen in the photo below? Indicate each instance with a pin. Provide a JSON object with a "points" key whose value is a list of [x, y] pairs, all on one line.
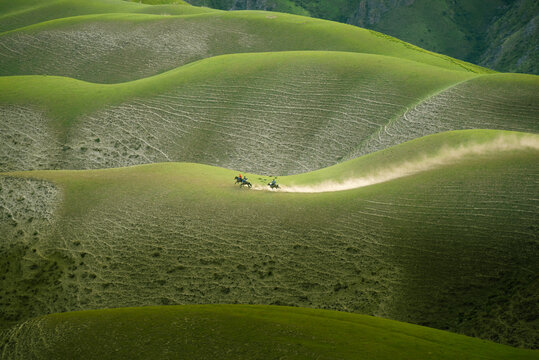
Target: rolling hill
{"points": [[122, 126], [451, 245], [23, 13], [498, 34], [220, 332], [270, 113], [94, 47]]}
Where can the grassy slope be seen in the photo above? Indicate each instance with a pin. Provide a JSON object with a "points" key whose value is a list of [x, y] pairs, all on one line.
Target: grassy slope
{"points": [[394, 249], [204, 100], [222, 331], [513, 37], [14, 15], [428, 25], [485, 102], [435, 25], [161, 2], [498, 34], [330, 107], [79, 41], [285, 6], [442, 26], [412, 152], [83, 97], [452, 248]]}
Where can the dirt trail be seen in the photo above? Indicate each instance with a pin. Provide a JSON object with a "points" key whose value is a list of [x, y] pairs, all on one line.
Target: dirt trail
{"points": [[445, 156]]}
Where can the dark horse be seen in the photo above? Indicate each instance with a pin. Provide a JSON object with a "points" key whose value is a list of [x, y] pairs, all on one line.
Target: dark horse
{"points": [[243, 182], [273, 186]]}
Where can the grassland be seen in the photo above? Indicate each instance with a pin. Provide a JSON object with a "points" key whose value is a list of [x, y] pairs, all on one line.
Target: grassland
{"points": [[430, 227], [453, 28], [17, 14], [498, 34], [452, 247], [204, 332], [269, 113], [93, 47], [239, 101]]}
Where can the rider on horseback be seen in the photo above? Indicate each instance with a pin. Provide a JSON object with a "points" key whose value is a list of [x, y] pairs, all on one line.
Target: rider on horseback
{"points": [[273, 184], [242, 180]]}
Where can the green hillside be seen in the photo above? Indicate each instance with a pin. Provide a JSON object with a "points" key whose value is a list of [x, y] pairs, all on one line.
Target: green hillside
{"points": [[450, 245], [270, 113], [161, 2], [513, 37], [500, 101], [409, 181], [17, 14], [94, 47], [220, 332], [499, 34], [285, 6]]}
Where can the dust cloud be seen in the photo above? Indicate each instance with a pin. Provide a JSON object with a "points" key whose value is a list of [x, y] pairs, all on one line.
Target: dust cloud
{"points": [[447, 155]]}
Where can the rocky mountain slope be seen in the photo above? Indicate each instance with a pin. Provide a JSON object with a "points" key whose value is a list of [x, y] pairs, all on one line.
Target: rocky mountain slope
{"points": [[499, 34]]}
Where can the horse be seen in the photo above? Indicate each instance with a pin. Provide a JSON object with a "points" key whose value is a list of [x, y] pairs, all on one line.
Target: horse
{"points": [[273, 186], [243, 182]]}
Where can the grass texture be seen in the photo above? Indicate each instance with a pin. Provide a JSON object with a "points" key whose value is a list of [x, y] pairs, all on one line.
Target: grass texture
{"points": [[93, 47], [497, 34], [221, 332], [17, 14], [451, 246], [269, 113], [134, 118]]}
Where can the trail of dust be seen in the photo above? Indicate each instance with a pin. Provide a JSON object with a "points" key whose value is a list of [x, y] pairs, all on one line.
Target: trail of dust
{"points": [[263, 187], [445, 156]]}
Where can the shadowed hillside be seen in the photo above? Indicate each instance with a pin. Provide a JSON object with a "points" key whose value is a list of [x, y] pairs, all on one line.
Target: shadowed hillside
{"points": [[499, 34], [452, 246], [123, 125]]}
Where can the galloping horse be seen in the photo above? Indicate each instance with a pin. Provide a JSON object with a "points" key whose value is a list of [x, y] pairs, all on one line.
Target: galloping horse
{"points": [[273, 186], [243, 182]]}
